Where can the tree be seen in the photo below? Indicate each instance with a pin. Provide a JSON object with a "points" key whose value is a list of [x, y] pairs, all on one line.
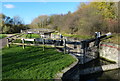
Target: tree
{"points": [[40, 21], [87, 19], [5, 22], [10, 25]]}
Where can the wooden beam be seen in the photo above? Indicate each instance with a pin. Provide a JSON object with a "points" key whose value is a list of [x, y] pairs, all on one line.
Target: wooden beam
{"points": [[29, 39], [23, 41], [8, 45], [43, 44], [64, 41], [35, 45]]}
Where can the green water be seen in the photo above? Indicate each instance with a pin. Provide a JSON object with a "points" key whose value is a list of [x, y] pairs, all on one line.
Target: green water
{"points": [[113, 75]]}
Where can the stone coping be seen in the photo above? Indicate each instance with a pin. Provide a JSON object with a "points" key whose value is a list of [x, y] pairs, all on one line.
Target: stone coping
{"points": [[99, 69]]}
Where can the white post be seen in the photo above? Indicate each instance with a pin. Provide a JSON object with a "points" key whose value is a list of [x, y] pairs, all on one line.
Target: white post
{"points": [[8, 45], [23, 41], [43, 44], [64, 46]]}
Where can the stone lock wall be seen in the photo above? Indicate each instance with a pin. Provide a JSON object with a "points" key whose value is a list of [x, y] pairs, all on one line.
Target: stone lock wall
{"points": [[110, 51]]}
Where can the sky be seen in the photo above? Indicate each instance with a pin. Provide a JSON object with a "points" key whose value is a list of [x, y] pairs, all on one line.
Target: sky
{"points": [[30, 10]]}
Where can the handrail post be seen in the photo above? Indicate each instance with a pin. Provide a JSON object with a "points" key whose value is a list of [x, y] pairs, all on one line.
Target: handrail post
{"points": [[64, 45], [34, 41], [8, 45], [54, 43], [23, 41], [43, 44]]}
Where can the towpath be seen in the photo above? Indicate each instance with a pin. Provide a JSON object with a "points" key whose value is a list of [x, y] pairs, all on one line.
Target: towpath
{"points": [[3, 42]]}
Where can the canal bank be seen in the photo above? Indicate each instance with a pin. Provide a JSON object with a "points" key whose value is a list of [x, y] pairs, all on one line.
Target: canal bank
{"points": [[109, 52], [97, 70]]}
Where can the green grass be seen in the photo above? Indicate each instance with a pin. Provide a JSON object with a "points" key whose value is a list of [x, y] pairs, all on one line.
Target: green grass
{"points": [[3, 36], [33, 63], [17, 41], [32, 36], [20, 41], [77, 36], [114, 39], [27, 36]]}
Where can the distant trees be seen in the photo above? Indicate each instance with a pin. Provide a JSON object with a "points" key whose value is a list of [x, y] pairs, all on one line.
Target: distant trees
{"points": [[11, 25], [40, 22], [89, 18]]}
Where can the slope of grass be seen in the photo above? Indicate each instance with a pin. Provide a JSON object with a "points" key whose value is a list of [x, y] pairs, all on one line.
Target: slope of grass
{"points": [[2, 36], [77, 36], [27, 36], [32, 36], [33, 63], [114, 39]]}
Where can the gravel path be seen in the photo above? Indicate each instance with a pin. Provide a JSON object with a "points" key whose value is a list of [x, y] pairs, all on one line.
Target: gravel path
{"points": [[3, 42]]}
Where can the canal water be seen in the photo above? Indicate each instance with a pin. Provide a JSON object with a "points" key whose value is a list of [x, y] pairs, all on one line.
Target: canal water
{"points": [[113, 75], [74, 74], [95, 63]]}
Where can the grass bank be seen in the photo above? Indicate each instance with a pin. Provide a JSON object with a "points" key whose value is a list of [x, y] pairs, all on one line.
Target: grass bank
{"points": [[27, 36], [3, 36], [31, 36], [114, 39], [77, 36], [33, 63]]}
